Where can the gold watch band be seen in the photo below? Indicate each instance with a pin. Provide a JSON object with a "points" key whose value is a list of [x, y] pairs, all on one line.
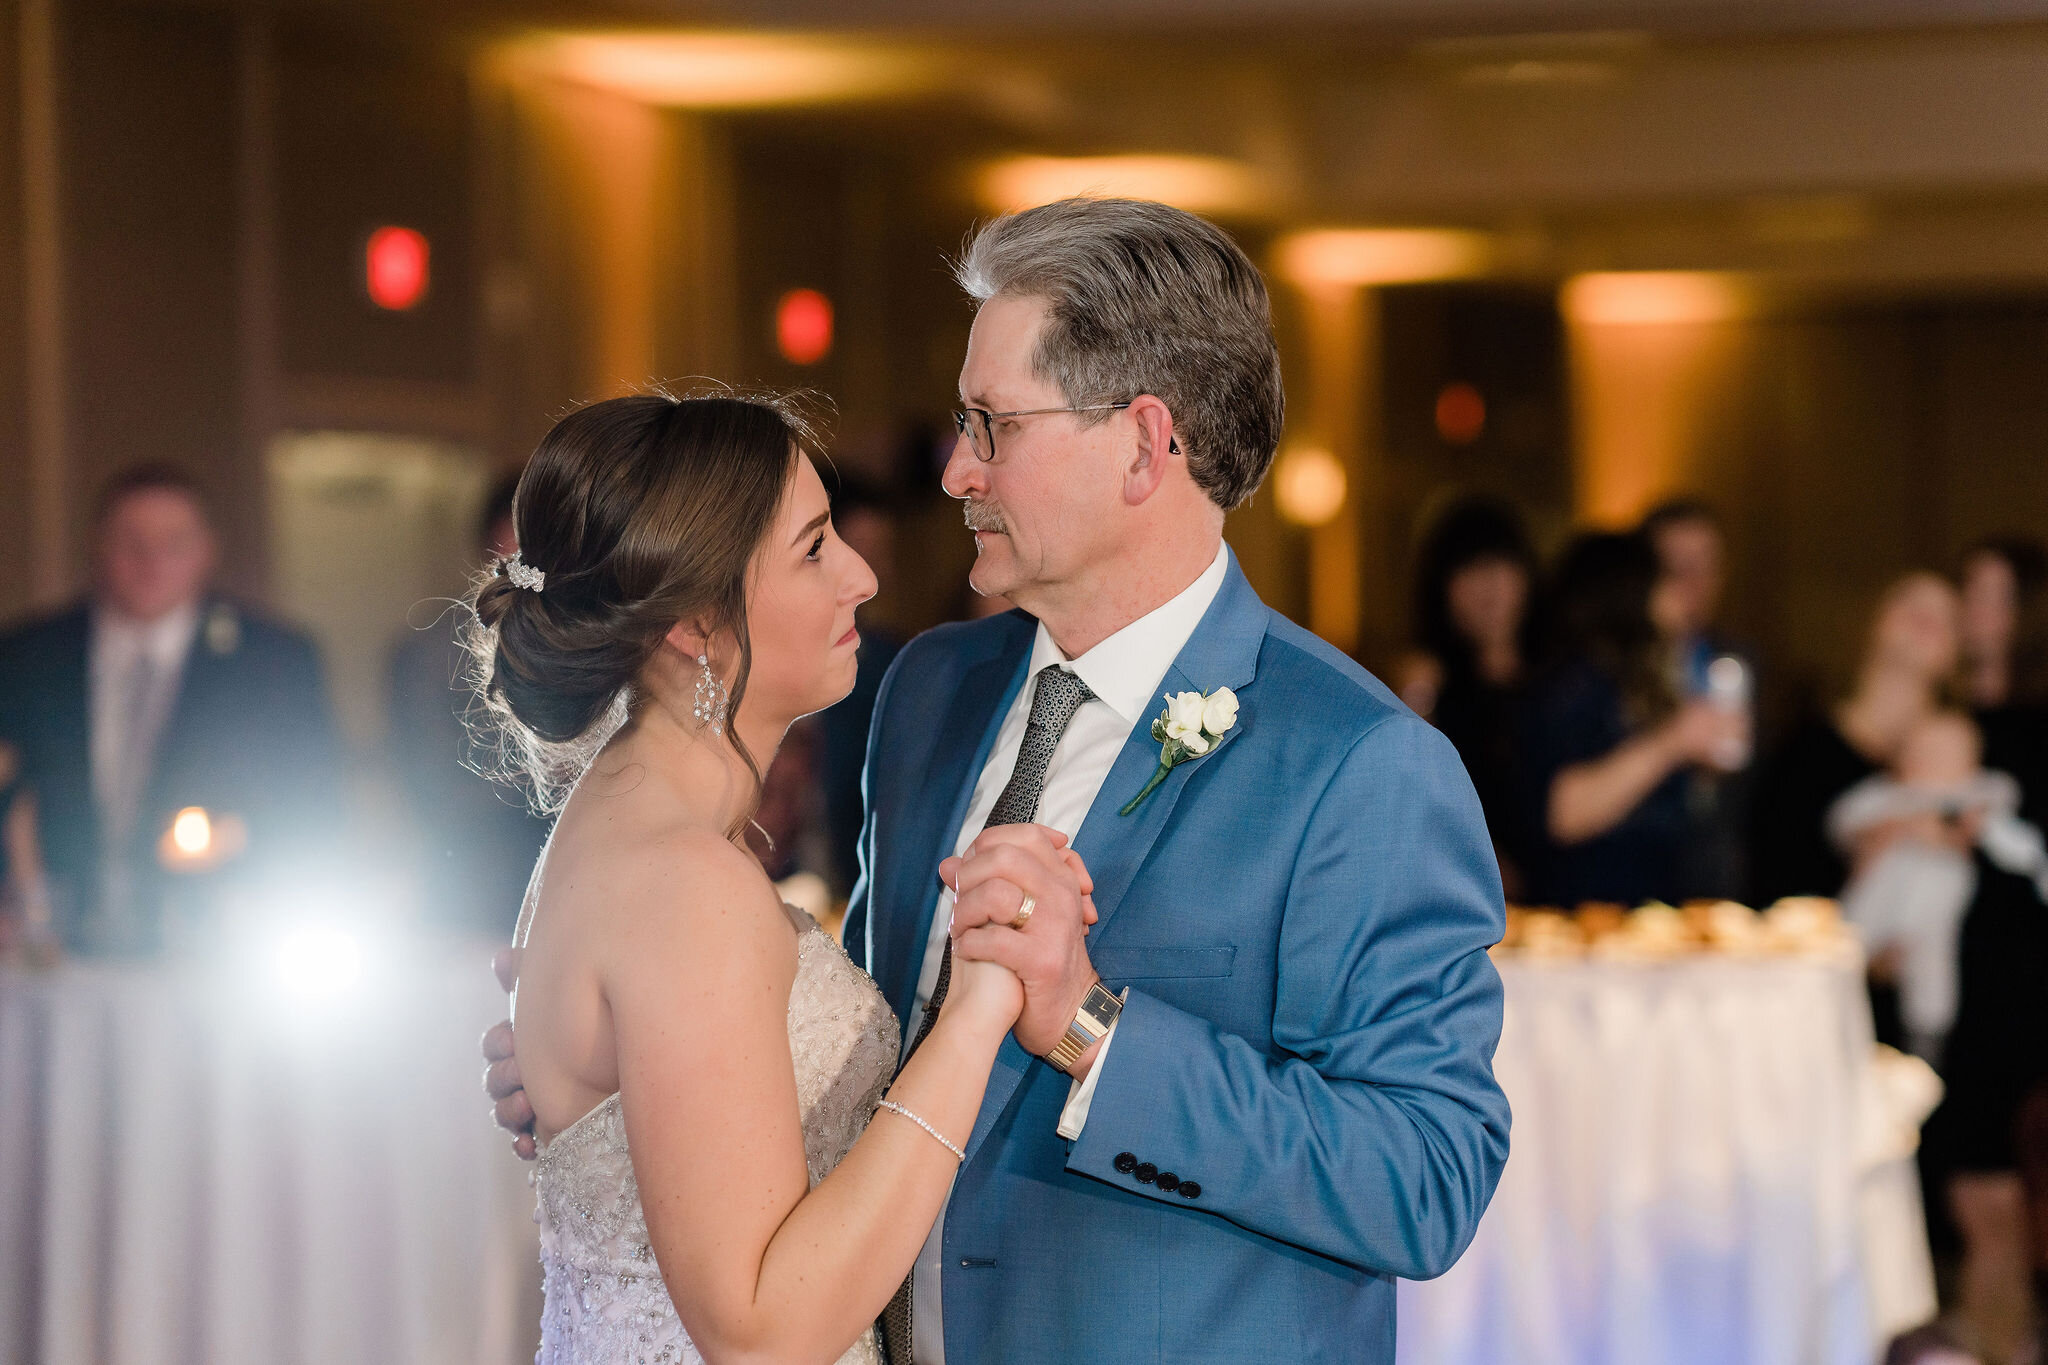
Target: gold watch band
{"points": [[1091, 1023]]}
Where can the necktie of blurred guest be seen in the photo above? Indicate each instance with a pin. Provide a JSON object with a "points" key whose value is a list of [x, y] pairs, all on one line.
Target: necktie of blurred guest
{"points": [[154, 694]]}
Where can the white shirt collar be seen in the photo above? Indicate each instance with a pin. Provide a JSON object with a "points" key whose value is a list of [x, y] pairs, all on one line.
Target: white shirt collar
{"points": [[164, 640], [1126, 669]]}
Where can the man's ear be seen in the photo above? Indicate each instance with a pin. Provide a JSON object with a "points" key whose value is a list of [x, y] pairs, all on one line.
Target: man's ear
{"points": [[1156, 451]]}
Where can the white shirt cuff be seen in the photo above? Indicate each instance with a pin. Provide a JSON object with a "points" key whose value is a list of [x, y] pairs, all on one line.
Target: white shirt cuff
{"points": [[1081, 1094]]}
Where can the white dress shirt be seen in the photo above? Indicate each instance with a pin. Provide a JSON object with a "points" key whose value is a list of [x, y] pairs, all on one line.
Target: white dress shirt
{"points": [[1124, 672], [120, 736]]}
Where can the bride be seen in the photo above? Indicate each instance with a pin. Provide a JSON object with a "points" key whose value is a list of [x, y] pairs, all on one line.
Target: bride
{"points": [[702, 1061]]}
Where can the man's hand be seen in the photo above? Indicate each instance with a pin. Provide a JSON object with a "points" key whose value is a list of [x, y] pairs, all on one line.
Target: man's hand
{"points": [[1006, 864], [501, 1074]]}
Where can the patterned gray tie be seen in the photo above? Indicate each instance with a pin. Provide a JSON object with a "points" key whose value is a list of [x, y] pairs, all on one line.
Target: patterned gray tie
{"points": [[1057, 695], [136, 750]]}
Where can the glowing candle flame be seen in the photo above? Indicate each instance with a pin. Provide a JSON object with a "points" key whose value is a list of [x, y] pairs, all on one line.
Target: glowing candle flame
{"points": [[192, 832]]}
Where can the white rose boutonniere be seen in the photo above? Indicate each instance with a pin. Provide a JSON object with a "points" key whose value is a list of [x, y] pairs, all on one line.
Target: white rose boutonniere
{"points": [[1190, 727]]}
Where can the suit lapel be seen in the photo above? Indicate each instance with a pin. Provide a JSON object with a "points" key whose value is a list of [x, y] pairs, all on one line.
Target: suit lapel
{"points": [[214, 641], [930, 822], [1223, 652]]}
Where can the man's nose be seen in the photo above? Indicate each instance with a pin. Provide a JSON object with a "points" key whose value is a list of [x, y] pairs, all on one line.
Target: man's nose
{"points": [[965, 475]]}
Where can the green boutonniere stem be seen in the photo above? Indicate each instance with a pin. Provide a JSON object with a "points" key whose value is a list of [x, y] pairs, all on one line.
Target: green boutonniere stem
{"points": [[1150, 787]]}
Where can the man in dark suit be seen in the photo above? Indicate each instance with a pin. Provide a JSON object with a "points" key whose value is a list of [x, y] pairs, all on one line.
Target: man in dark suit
{"points": [[156, 695]]}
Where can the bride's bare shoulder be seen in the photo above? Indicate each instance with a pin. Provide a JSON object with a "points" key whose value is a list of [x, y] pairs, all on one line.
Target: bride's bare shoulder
{"points": [[679, 890]]}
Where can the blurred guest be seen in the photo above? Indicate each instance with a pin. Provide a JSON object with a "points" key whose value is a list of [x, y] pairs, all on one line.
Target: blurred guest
{"points": [[1692, 551], [1985, 1148], [1474, 579], [1607, 742], [1909, 834], [866, 521], [155, 695], [1973, 1150], [2004, 583], [1910, 656], [479, 838]]}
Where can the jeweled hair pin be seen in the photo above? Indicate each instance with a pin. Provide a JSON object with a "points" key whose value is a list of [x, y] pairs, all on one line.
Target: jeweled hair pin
{"points": [[522, 574]]}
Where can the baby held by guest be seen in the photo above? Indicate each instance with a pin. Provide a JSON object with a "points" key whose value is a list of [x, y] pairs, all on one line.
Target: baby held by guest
{"points": [[1909, 834]]}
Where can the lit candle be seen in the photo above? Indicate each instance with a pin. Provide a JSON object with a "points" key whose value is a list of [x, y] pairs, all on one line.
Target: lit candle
{"points": [[192, 832], [198, 841]]}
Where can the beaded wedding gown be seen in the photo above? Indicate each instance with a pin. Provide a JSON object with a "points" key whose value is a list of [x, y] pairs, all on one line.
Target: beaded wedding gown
{"points": [[605, 1301]]}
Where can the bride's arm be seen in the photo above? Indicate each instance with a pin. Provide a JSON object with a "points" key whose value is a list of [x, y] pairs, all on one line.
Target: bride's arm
{"points": [[759, 1266]]}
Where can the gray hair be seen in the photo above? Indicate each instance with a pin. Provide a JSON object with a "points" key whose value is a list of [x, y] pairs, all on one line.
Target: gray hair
{"points": [[1143, 298]]}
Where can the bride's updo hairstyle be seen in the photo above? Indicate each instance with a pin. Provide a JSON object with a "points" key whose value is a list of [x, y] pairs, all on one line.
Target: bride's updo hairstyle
{"points": [[642, 512]]}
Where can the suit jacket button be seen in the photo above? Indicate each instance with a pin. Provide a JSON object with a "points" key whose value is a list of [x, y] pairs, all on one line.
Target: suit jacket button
{"points": [[1190, 1190], [1126, 1162], [1146, 1172], [1168, 1181]]}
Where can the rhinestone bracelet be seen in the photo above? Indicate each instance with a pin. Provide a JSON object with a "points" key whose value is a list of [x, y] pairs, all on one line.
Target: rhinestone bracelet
{"points": [[894, 1107]]}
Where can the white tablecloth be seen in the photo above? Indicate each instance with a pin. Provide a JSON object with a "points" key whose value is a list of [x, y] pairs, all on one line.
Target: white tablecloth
{"points": [[1705, 1170], [197, 1167]]}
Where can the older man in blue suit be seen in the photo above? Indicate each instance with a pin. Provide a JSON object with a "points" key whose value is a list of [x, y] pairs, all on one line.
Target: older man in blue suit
{"points": [[1260, 1087]]}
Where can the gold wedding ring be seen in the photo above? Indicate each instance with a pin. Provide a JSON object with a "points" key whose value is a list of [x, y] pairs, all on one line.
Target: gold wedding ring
{"points": [[1024, 912]]}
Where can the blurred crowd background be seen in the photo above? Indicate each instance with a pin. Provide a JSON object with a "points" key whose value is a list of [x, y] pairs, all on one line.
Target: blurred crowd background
{"points": [[1666, 425]]}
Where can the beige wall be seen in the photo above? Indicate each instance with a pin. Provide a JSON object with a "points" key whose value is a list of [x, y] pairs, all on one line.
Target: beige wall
{"points": [[15, 551]]}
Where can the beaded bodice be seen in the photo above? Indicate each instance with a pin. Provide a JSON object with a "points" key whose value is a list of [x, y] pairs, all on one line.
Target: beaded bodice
{"points": [[605, 1300]]}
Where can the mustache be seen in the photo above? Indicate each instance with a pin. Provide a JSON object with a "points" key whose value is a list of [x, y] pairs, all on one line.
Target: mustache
{"points": [[983, 516]]}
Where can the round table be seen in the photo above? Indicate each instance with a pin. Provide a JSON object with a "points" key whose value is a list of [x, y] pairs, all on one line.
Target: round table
{"points": [[1711, 1164], [274, 1157]]}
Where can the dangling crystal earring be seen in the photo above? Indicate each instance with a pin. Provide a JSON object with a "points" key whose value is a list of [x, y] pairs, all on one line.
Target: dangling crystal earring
{"points": [[711, 697]]}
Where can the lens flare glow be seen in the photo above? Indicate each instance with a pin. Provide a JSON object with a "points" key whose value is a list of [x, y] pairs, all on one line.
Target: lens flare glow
{"points": [[316, 962]]}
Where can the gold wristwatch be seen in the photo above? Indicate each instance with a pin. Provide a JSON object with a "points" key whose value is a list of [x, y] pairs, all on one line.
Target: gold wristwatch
{"points": [[1098, 1011]]}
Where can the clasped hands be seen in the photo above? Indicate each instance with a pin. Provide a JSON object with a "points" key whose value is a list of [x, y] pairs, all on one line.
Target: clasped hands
{"points": [[990, 882], [1005, 868]]}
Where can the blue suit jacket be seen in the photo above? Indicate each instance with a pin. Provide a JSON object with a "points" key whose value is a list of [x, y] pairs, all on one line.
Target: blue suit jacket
{"points": [[1302, 917]]}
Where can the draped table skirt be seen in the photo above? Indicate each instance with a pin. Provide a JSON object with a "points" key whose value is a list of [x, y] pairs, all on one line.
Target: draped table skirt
{"points": [[208, 1163], [1710, 1165]]}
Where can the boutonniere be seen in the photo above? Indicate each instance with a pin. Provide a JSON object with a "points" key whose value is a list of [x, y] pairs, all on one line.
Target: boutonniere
{"points": [[1191, 726], [223, 630]]}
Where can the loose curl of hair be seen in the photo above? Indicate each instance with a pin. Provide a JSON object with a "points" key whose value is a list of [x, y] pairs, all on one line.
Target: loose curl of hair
{"points": [[642, 511]]}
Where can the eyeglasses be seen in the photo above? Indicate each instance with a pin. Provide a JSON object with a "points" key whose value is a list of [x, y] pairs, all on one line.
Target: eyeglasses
{"points": [[977, 424]]}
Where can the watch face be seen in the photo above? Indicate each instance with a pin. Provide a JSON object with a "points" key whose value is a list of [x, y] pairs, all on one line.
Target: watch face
{"points": [[1102, 1007]]}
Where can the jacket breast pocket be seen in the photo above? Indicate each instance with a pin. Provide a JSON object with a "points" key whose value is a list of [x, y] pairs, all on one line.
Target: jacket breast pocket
{"points": [[1158, 964]]}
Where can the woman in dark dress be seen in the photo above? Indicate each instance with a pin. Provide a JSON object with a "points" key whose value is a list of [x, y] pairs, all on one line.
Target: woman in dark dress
{"points": [[1995, 1064], [1607, 745], [1475, 576], [1906, 666], [2004, 583]]}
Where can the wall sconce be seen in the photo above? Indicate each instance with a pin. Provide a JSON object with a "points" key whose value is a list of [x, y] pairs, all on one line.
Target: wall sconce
{"points": [[1310, 486], [1656, 296], [1370, 256], [1199, 184]]}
